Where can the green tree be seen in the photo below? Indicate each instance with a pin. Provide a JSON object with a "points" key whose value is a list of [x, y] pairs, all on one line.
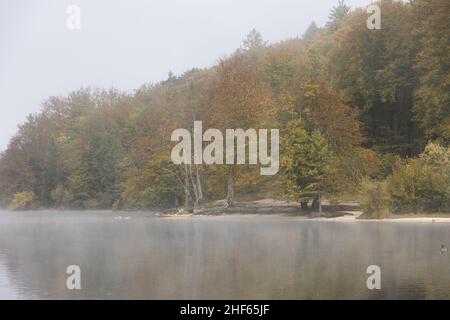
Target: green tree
{"points": [[380, 79], [305, 162], [311, 31], [432, 97], [337, 14]]}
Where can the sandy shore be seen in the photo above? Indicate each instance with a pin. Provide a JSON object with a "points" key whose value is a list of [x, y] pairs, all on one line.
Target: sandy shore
{"points": [[418, 219], [351, 218], [271, 209]]}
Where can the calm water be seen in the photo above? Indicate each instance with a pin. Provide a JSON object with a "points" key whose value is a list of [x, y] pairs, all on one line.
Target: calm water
{"points": [[218, 258]]}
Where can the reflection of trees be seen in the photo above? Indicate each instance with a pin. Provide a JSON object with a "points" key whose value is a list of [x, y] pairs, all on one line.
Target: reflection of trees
{"points": [[240, 258]]}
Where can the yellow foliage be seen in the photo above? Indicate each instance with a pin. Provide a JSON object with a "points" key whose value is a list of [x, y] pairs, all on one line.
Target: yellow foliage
{"points": [[22, 201]]}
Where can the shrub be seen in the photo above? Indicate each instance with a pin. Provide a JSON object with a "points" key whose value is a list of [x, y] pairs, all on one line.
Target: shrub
{"points": [[374, 199], [436, 156], [422, 184], [22, 201]]}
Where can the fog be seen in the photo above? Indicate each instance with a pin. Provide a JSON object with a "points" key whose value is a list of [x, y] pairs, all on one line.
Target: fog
{"points": [[238, 257], [124, 44]]}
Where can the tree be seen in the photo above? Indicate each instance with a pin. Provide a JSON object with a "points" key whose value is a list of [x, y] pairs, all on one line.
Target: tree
{"points": [[432, 97], [238, 99], [310, 32], [337, 15], [305, 162], [253, 41]]}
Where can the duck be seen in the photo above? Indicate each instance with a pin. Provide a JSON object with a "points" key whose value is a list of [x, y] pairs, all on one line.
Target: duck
{"points": [[444, 249]]}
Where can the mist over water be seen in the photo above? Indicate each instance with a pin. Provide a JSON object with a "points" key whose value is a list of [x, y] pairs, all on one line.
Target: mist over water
{"points": [[145, 257]]}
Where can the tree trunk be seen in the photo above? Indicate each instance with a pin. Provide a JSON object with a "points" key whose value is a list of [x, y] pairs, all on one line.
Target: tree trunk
{"points": [[304, 205], [194, 187], [229, 202], [320, 204], [317, 205], [187, 195], [199, 185]]}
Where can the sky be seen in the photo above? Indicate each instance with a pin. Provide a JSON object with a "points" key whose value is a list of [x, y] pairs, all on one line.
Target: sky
{"points": [[127, 43]]}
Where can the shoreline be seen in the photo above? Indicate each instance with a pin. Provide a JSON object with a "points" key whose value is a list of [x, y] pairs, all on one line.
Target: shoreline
{"points": [[352, 218], [274, 214]]}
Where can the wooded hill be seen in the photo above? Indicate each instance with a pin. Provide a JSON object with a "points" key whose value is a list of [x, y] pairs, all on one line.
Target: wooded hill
{"points": [[349, 103]]}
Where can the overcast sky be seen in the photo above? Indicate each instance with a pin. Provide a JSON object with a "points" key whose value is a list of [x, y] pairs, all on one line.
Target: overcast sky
{"points": [[126, 43]]}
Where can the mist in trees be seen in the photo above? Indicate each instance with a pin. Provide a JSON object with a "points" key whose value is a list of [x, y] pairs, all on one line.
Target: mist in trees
{"points": [[346, 100]]}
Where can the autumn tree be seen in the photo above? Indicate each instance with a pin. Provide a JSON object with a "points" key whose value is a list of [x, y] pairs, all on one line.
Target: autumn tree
{"points": [[238, 100], [432, 97]]}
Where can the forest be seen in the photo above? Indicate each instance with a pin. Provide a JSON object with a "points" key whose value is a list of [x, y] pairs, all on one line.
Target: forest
{"points": [[362, 115]]}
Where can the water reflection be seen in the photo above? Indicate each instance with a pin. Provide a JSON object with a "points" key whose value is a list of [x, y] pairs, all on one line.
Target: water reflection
{"points": [[218, 258]]}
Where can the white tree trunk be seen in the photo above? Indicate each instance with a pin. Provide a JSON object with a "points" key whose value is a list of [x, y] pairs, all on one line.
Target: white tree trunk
{"points": [[194, 186], [199, 185], [229, 202]]}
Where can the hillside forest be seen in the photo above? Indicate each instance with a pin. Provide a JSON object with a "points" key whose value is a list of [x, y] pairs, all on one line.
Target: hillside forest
{"points": [[362, 114]]}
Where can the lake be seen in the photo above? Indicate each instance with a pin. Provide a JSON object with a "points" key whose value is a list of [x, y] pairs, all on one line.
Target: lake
{"points": [[141, 256]]}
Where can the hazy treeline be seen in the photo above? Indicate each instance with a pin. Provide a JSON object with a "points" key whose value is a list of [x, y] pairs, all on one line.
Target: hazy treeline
{"points": [[349, 103]]}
